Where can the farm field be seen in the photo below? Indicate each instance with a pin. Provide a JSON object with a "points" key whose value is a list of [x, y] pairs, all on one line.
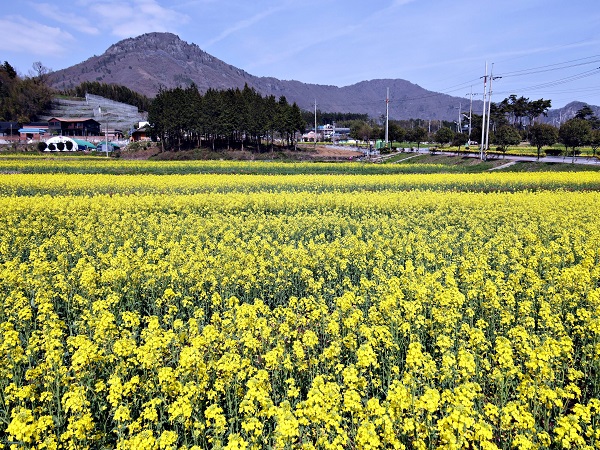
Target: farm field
{"points": [[153, 307], [80, 164]]}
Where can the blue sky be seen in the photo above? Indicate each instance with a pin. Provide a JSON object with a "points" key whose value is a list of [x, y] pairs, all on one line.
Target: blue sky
{"points": [[542, 48]]}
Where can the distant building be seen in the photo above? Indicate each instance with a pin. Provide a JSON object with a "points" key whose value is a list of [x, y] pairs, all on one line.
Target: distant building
{"points": [[141, 134], [34, 131], [9, 128], [74, 126], [310, 136], [333, 133], [102, 147]]}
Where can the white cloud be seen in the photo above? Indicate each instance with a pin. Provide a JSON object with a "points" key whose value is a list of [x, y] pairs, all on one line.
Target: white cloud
{"points": [[308, 42], [188, 4], [71, 20], [330, 34], [134, 17], [24, 35], [242, 24]]}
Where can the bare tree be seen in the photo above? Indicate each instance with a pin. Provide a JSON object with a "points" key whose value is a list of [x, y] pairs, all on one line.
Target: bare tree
{"points": [[40, 73]]}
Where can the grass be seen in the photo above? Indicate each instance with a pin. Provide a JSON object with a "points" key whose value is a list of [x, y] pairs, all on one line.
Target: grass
{"points": [[276, 163], [533, 166], [462, 164], [519, 150]]}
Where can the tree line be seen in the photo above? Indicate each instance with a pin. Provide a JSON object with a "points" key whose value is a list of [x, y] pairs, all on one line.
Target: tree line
{"points": [[508, 127], [183, 118], [23, 98], [339, 118], [581, 130], [114, 92]]}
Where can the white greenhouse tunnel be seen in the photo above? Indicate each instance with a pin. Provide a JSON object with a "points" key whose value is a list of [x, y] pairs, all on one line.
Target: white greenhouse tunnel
{"points": [[57, 139], [78, 144]]}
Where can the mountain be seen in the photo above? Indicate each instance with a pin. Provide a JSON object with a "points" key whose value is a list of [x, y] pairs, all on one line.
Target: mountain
{"points": [[154, 60], [560, 115]]}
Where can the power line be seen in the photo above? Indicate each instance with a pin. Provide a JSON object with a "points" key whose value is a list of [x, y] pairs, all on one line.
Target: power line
{"points": [[550, 70], [529, 88], [550, 67], [568, 91], [523, 72], [555, 82], [457, 87]]}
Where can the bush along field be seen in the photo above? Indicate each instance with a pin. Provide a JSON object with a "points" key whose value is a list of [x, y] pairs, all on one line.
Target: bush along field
{"points": [[300, 311]]}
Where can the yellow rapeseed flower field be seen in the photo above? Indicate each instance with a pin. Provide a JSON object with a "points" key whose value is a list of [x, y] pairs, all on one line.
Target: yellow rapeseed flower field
{"points": [[300, 311]]}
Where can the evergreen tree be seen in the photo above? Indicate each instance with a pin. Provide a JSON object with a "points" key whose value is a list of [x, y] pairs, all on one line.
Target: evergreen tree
{"points": [[587, 113], [115, 92], [297, 121], [272, 117], [157, 117], [9, 70], [211, 115]]}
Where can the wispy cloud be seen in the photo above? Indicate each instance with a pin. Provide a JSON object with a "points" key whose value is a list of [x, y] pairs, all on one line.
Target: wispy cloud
{"points": [[303, 45], [24, 35], [238, 26], [71, 20], [332, 34], [523, 52], [134, 17], [187, 4]]}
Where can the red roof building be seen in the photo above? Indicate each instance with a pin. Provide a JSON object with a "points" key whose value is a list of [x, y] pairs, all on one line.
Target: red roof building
{"points": [[74, 126]]}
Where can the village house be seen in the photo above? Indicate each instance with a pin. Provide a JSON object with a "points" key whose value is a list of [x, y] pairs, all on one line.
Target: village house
{"points": [[34, 131], [74, 126]]}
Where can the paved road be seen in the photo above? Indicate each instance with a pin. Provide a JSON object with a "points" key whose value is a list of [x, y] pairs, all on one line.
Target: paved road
{"points": [[546, 159]]}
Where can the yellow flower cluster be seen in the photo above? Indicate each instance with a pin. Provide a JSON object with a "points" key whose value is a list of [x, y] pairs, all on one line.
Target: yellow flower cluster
{"points": [[25, 179], [265, 312]]}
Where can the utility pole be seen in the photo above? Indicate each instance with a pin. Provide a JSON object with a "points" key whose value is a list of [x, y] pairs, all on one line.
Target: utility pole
{"points": [[483, 118], [470, 112], [487, 137], [105, 132], [387, 115], [459, 123], [315, 123], [333, 132]]}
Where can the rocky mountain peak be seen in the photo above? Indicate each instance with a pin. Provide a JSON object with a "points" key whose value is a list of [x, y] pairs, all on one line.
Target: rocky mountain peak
{"points": [[152, 61]]}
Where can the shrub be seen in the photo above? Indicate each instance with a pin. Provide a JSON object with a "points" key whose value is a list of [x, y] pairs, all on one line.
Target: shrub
{"points": [[553, 151], [60, 146], [51, 147], [69, 145], [41, 146]]}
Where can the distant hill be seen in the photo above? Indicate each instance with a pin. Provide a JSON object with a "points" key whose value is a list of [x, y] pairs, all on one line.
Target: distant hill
{"points": [[560, 115], [154, 60], [148, 62]]}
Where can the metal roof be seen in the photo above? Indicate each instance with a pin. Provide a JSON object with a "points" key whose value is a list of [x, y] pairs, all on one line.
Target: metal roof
{"points": [[33, 130], [84, 143], [72, 119]]}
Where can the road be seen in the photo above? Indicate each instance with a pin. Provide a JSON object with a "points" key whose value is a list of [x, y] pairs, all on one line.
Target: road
{"points": [[546, 159]]}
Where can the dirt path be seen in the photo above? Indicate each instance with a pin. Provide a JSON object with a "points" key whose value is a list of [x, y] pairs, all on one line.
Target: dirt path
{"points": [[336, 152], [504, 166]]}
